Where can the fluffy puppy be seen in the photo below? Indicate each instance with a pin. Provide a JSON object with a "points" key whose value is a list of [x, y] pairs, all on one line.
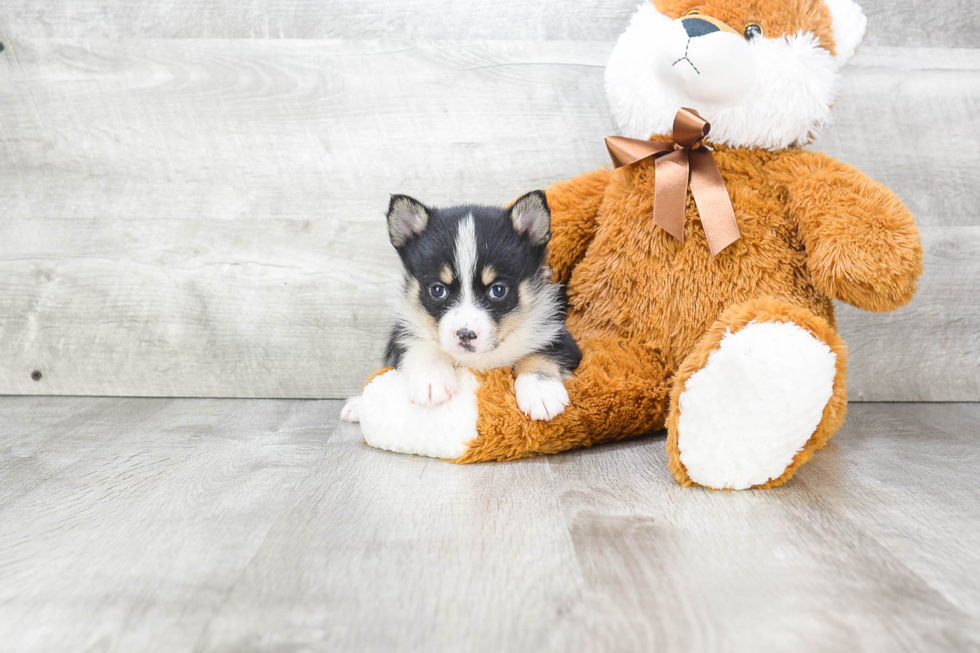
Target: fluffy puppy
{"points": [[476, 294]]}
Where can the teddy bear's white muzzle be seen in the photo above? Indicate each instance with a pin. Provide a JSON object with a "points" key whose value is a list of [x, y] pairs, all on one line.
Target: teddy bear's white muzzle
{"points": [[716, 67]]}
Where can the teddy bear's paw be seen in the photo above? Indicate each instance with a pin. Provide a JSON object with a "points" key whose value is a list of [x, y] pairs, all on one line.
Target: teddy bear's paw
{"points": [[389, 420], [754, 405], [539, 397], [351, 411]]}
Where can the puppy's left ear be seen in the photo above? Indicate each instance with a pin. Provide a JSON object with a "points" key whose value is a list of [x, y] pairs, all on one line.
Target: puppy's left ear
{"points": [[531, 216], [850, 25]]}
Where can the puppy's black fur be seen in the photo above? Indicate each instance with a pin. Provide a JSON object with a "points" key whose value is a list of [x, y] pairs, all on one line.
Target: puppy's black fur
{"points": [[493, 260]]}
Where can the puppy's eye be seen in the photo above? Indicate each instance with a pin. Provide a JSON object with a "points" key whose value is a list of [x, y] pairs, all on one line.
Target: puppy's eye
{"points": [[693, 12], [438, 291], [752, 31], [497, 291]]}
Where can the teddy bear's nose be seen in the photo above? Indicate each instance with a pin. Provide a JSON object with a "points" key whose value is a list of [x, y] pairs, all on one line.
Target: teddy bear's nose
{"points": [[695, 26]]}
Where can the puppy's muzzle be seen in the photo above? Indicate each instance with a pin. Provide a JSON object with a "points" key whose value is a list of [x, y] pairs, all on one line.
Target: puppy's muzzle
{"points": [[466, 337]]}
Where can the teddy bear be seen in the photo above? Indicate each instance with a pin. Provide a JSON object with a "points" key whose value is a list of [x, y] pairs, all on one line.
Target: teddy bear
{"points": [[720, 331]]}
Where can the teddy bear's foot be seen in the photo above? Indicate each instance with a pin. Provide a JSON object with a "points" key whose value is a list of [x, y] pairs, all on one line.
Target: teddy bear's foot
{"points": [[749, 415], [389, 420], [748, 412]]}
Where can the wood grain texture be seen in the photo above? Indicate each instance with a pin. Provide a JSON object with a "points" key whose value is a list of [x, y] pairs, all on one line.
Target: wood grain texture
{"points": [[286, 308], [298, 309], [313, 130], [930, 349], [203, 218], [161, 504], [944, 23], [308, 130], [244, 526], [908, 118]]}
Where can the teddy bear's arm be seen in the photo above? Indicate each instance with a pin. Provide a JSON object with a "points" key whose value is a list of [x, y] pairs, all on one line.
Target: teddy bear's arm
{"points": [[862, 244], [574, 206]]}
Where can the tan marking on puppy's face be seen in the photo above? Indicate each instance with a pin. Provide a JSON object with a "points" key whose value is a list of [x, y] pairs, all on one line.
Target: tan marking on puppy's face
{"points": [[776, 17], [419, 315], [488, 276], [525, 296], [446, 275]]}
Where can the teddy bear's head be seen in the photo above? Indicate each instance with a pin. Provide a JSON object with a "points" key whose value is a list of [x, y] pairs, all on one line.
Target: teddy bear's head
{"points": [[763, 72]]}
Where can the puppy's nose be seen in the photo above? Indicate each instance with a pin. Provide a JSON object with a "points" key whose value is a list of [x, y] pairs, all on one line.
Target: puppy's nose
{"points": [[465, 336], [695, 26]]}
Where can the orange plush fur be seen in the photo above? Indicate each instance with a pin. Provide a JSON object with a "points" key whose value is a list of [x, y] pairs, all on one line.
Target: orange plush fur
{"points": [[648, 310], [779, 17]]}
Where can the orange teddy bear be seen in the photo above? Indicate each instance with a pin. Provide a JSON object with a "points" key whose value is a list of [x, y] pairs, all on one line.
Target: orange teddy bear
{"points": [[734, 351]]}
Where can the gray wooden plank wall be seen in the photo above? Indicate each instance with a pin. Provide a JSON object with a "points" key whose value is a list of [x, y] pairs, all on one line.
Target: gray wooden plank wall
{"points": [[192, 192]]}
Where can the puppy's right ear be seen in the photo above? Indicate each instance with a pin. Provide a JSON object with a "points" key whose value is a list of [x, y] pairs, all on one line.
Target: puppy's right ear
{"points": [[531, 216], [407, 217]]}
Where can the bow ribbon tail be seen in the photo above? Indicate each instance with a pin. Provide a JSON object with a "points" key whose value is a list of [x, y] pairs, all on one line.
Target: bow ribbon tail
{"points": [[625, 151], [711, 198], [670, 192], [677, 166]]}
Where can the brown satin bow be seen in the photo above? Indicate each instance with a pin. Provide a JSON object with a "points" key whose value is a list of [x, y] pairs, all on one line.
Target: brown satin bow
{"points": [[678, 165]]}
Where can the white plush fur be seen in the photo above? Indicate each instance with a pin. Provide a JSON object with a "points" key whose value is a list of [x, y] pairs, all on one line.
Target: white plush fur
{"points": [[850, 25], [754, 405], [786, 102], [716, 69], [540, 397], [390, 421]]}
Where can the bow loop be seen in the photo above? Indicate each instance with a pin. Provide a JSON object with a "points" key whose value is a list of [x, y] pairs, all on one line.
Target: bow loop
{"points": [[679, 166], [689, 128]]}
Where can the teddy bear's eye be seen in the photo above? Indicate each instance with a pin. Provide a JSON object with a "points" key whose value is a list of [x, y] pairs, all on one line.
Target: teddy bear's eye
{"points": [[693, 12], [752, 31]]}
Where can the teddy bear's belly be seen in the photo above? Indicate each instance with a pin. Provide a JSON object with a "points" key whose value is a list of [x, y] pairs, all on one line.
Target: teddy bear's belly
{"points": [[645, 285]]}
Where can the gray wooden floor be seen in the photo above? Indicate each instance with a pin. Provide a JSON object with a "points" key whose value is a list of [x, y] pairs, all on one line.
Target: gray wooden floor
{"points": [[248, 525]]}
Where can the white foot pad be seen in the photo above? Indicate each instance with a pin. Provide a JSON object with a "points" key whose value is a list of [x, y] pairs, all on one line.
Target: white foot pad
{"points": [[747, 413], [389, 420], [539, 397]]}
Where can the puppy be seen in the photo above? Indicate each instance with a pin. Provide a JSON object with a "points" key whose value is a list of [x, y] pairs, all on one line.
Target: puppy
{"points": [[476, 294]]}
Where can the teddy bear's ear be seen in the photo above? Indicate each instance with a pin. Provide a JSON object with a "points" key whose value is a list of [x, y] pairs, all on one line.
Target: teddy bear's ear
{"points": [[850, 25]]}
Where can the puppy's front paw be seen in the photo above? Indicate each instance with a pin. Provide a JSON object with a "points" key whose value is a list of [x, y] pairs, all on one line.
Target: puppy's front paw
{"points": [[540, 397], [351, 410], [432, 384]]}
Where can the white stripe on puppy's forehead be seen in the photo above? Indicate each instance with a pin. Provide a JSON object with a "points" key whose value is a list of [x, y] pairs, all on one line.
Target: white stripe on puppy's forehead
{"points": [[465, 313], [466, 255]]}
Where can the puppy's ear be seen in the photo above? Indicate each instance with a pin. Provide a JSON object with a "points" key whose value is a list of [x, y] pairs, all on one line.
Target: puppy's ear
{"points": [[407, 217], [531, 216]]}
